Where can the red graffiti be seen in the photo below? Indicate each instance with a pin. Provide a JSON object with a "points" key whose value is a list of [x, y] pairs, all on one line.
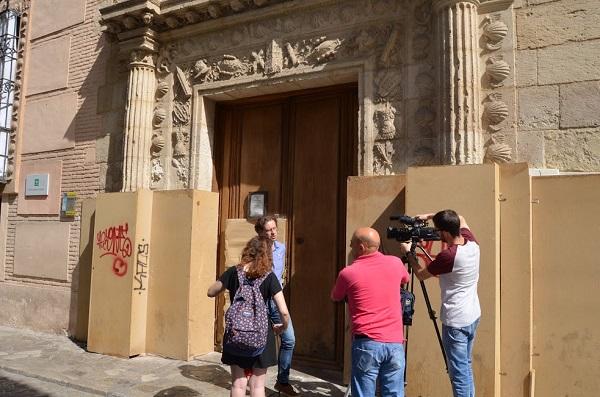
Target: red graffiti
{"points": [[115, 242], [428, 246], [119, 267]]}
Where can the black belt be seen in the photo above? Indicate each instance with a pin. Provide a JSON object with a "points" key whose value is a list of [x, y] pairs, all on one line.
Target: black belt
{"points": [[360, 336]]}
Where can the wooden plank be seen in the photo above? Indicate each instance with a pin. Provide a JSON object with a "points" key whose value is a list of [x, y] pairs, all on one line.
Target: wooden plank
{"points": [[516, 279]]}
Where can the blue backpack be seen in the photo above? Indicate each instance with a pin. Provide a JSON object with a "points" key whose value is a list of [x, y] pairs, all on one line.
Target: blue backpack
{"points": [[246, 320]]}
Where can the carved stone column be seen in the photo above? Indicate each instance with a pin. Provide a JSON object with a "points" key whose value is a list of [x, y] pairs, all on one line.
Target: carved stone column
{"points": [[458, 78], [138, 121]]}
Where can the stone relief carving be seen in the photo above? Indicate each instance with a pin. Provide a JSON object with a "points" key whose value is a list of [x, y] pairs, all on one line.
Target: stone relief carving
{"points": [[494, 32], [389, 85], [422, 31], [495, 110], [384, 119], [383, 153], [157, 172], [497, 70], [267, 61], [181, 170]]}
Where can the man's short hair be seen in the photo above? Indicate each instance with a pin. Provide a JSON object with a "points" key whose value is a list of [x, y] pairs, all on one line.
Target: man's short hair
{"points": [[447, 221], [259, 226]]}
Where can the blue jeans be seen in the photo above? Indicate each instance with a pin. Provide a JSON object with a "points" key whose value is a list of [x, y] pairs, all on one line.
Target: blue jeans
{"points": [[286, 349], [372, 359], [458, 344]]}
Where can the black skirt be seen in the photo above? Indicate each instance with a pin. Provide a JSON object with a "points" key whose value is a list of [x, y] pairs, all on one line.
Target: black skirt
{"points": [[268, 358]]}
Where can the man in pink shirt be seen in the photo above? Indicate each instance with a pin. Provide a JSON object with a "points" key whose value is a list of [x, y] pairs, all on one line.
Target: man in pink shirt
{"points": [[371, 286]]}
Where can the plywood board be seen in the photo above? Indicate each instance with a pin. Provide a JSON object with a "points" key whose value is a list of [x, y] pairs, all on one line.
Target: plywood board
{"points": [[473, 192], [371, 200], [167, 331], [516, 279], [202, 273], [84, 268], [140, 262], [566, 338], [184, 249], [237, 234], [113, 326]]}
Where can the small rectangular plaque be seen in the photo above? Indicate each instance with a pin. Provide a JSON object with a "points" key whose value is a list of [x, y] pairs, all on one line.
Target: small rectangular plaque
{"points": [[68, 202], [37, 184]]}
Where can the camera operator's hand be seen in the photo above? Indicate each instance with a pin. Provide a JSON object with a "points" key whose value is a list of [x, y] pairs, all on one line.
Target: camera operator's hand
{"points": [[425, 217], [405, 247]]}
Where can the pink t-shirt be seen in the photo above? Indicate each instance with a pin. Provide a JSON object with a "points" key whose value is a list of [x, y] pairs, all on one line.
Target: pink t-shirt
{"points": [[372, 285]]}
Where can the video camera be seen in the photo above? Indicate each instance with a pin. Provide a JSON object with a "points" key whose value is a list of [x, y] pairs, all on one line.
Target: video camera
{"points": [[414, 230]]}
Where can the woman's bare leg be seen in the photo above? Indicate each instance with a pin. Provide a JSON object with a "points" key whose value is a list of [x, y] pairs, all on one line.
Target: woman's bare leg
{"points": [[238, 381], [257, 382]]}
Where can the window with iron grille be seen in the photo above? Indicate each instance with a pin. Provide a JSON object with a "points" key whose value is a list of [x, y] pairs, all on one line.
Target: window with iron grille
{"points": [[9, 44]]}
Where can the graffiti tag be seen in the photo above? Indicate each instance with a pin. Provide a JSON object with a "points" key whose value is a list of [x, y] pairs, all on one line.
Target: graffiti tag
{"points": [[428, 246], [114, 241], [141, 267]]}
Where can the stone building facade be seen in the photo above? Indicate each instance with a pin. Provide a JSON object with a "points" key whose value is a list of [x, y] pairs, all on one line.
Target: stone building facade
{"points": [[121, 95]]}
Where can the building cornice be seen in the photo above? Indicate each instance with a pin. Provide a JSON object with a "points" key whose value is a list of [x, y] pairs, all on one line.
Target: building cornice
{"points": [[171, 15]]}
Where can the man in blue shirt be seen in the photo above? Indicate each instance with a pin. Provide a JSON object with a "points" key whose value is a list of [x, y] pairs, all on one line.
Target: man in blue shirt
{"points": [[267, 227]]}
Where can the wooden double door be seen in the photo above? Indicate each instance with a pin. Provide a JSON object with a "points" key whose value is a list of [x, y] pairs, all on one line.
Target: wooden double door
{"points": [[299, 148]]}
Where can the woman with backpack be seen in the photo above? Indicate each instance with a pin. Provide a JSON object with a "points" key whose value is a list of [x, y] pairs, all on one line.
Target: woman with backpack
{"points": [[249, 341]]}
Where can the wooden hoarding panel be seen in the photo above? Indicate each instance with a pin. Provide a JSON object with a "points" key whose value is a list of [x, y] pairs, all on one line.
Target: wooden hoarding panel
{"points": [[566, 337], [371, 201], [473, 192]]}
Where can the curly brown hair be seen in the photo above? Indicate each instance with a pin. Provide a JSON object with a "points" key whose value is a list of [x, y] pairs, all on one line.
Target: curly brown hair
{"points": [[258, 253]]}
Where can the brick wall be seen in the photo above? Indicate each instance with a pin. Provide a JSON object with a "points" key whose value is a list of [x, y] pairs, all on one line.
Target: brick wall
{"points": [[558, 80], [87, 66]]}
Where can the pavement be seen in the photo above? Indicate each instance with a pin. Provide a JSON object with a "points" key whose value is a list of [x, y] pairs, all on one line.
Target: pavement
{"points": [[34, 364]]}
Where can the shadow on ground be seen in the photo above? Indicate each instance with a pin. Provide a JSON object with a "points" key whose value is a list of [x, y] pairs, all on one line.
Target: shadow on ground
{"points": [[9, 387], [213, 374], [178, 391], [311, 389]]}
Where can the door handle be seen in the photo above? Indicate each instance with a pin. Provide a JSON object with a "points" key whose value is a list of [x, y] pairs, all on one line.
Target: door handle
{"points": [[299, 240]]}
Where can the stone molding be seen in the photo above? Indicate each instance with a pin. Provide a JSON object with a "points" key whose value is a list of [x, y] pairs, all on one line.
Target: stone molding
{"points": [[438, 5]]}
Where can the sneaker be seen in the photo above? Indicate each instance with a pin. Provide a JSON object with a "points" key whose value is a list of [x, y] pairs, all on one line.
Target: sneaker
{"points": [[286, 389]]}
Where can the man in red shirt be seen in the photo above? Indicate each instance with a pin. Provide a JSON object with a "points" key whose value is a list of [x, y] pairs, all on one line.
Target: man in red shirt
{"points": [[371, 286]]}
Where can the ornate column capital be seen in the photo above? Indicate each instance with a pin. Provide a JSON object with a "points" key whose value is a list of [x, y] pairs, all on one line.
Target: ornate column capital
{"points": [[142, 58], [443, 4]]}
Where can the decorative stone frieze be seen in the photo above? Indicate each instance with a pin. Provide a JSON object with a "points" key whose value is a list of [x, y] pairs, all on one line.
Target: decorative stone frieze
{"points": [[495, 111], [459, 81]]}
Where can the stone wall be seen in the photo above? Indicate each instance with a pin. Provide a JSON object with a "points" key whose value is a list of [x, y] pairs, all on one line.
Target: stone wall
{"points": [[558, 80], [65, 64]]}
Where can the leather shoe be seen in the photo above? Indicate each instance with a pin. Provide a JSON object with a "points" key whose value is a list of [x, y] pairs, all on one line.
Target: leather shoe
{"points": [[286, 389]]}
